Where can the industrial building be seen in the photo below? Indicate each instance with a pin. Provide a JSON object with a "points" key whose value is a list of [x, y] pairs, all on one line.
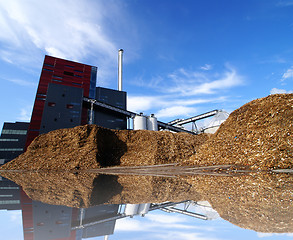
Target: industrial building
{"points": [[12, 140], [59, 101], [66, 97]]}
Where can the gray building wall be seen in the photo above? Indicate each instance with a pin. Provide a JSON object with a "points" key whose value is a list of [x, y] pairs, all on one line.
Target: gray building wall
{"points": [[63, 108], [106, 118]]}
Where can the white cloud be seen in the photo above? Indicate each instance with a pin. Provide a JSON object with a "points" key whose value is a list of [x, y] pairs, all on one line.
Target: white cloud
{"points": [[25, 113], [261, 235], [142, 103], [175, 111], [174, 235], [206, 67], [164, 106], [67, 29], [157, 225], [64, 28], [16, 217], [21, 82], [163, 218], [129, 224], [195, 83], [180, 98], [278, 91], [288, 74]]}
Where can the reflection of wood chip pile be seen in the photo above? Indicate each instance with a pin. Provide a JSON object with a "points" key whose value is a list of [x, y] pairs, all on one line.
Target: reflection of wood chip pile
{"points": [[259, 134], [90, 189], [90, 146], [262, 202]]}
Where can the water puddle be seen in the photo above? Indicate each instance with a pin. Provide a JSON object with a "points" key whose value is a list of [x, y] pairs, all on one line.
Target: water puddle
{"points": [[87, 204]]}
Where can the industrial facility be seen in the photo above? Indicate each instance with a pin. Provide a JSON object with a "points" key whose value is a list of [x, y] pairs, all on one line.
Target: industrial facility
{"points": [[66, 97]]}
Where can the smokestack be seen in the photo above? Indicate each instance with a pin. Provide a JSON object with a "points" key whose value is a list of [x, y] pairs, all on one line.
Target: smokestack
{"points": [[120, 55]]}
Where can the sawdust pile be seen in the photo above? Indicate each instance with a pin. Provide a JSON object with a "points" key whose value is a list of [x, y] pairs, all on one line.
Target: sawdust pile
{"points": [[91, 146], [261, 202], [258, 135]]}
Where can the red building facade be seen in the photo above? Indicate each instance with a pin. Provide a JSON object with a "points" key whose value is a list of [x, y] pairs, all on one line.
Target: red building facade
{"points": [[63, 72]]}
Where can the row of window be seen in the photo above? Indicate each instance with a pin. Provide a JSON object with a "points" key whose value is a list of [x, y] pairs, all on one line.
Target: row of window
{"points": [[13, 131], [10, 202], [8, 140], [11, 149], [8, 188]]}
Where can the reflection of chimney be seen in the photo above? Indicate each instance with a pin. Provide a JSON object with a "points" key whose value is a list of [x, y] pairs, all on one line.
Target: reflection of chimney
{"points": [[120, 54]]}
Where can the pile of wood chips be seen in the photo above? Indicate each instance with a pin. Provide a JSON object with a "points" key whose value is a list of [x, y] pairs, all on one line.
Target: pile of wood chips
{"points": [[258, 135], [91, 147]]}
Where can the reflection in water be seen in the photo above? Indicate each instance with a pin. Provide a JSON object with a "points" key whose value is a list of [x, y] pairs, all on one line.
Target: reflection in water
{"points": [[89, 204]]}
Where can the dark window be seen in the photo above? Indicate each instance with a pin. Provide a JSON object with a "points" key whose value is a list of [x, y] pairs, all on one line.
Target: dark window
{"points": [[77, 84], [78, 71], [51, 104], [55, 80], [49, 70], [48, 65], [75, 75], [58, 77], [69, 66], [68, 73]]}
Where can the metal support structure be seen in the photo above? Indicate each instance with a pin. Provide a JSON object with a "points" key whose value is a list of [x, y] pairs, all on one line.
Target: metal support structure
{"points": [[167, 207], [130, 114], [185, 212], [195, 118]]}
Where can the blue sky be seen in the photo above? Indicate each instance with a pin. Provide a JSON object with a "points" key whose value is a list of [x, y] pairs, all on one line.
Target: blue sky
{"points": [[157, 225], [181, 58]]}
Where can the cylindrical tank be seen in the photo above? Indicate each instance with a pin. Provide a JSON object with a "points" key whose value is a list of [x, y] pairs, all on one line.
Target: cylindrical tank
{"points": [[131, 209], [139, 122], [152, 123], [143, 208]]}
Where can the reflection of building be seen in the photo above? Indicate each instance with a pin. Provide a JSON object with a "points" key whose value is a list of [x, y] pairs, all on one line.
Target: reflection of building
{"points": [[52, 222], [9, 195], [12, 140], [48, 222], [97, 221]]}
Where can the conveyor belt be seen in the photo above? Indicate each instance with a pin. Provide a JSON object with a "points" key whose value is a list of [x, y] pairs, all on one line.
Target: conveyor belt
{"points": [[130, 114]]}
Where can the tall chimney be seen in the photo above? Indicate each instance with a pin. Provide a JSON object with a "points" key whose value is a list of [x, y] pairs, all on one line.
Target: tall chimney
{"points": [[120, 55]]}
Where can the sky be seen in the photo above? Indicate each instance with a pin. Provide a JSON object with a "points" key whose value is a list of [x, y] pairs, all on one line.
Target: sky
{"points": [[181, 57], [157, 225]]}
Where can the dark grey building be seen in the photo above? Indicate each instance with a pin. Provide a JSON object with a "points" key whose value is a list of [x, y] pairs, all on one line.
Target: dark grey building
{"points": [[106, 118], [12, 140], [62, 109]]}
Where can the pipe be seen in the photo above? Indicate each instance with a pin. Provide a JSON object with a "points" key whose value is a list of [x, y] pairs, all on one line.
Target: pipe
{"points": [[120, 55]]}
